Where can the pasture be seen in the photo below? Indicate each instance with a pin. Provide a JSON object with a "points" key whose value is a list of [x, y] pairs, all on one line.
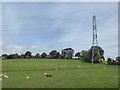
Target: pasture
{"points": [[29, 73]]}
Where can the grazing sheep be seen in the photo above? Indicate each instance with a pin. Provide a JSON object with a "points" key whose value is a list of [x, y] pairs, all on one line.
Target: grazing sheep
{"points": [[5, 76], [1, 75], [79, 66], [27, 77], [48, 75], [45, 73]]}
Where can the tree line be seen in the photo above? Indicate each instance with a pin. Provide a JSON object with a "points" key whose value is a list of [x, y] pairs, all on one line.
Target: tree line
{"points": [[67, 53], [113, 62]]}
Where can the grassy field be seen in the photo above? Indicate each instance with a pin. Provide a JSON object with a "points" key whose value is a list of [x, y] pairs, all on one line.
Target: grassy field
{"points": [[66, 74]]}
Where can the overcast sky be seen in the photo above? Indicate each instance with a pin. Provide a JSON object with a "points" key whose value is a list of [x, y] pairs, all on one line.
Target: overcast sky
{"points": [[42, 27]]}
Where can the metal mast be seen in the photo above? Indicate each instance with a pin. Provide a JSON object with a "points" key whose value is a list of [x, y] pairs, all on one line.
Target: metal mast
{"points": [[95, 41]]}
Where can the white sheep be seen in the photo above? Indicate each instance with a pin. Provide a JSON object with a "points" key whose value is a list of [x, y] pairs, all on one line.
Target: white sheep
{"points": [[5, 76], [27, 77], [79, 66], [1, 75], [45, 73]]}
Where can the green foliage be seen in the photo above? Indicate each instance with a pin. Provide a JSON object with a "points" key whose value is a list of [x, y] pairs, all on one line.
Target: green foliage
{"points": [[113, 62], [10, 56], [37, 55], [78, 54], [118, 58], [97, 57], [28, 54], [16, 55], [4, 56], [87, 55], [43, 55], [54, 54], [67, 53]]}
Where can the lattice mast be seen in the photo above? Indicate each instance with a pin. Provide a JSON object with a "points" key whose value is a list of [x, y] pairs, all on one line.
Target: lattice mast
{"points": [[95, 41]]}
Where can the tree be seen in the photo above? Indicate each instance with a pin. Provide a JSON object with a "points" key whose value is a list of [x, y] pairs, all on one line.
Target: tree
{"points": [[118, 58], [4, 56], [22, 56], [16, 55], [57, 55], [53, 53], [87, 55], [43, 55], [78, 55], [97, 57], [28, 54], [37, 55], [67, 53], [10, 56]]}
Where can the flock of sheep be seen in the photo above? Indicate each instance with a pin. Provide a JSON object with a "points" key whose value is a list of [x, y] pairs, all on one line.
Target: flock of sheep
{"points": [[27, 77], [5, 76]]}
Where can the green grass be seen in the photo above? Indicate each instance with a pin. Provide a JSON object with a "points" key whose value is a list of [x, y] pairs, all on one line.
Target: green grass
{"points": [[69, 76]]}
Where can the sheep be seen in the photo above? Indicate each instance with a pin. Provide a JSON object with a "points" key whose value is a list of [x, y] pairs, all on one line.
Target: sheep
{"points": [[1, 75], [48, 75], [79, 66], [5, 76], [45, 73], [27, 77]]}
